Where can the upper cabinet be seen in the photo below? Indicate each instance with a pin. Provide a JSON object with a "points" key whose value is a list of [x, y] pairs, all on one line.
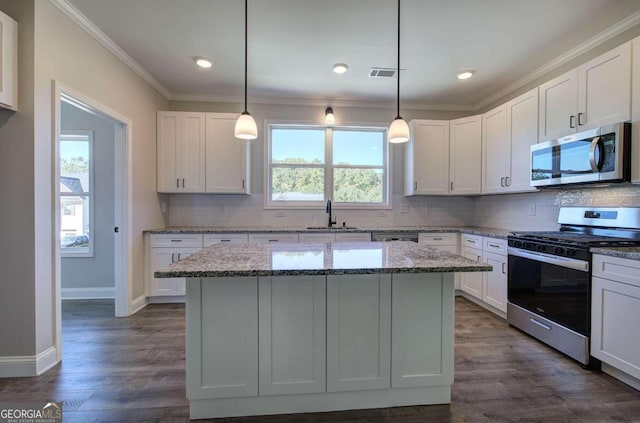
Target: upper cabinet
{"points": [[198, 153], [8, 62], [508, 132], [465, 148], [427, 158], [635, 109], [226, 156], [596, 93], [181, 152]]}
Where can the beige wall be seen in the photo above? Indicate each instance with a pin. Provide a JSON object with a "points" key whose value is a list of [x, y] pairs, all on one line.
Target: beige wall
{"points": [[53, 48]]}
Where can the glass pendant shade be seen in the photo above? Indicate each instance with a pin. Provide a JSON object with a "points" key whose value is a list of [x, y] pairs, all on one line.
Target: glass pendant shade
{"points": [[246, 127], [398, 131]]}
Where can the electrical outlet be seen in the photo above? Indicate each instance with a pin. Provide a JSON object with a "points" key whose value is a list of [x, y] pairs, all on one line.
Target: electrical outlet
{"points": [[404, 208], [532, 210]]}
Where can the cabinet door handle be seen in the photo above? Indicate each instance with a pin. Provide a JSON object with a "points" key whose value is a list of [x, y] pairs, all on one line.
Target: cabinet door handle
{"points": [[479, 258], [177, 183], [507, 181], [243, 184], [182, 182], [502, 181], [451, 185], [503, 268], [179, 258], [415, 185], [571, 121], [173, 257], [580, 121]]}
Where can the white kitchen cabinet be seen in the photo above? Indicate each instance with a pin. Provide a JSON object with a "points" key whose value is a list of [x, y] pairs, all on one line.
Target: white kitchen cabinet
{"points": [[164, 249], [228, 310], [508, 132], [496, 150], [594, 94], [227, 160], [8, 62], [311, 237], [181, 152], [465, 156], [427, 158], [615, 313], [353, 237], [210, 239], [494, 290], [358, 332], [471, 283], [635, 113], [263, 238], [442, 241], [522, 124], [422, 305], [292, 342]]}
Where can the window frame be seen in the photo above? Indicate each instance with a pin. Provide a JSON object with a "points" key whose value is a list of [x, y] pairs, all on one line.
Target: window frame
{"points": [[328, 167], [80, 135]]}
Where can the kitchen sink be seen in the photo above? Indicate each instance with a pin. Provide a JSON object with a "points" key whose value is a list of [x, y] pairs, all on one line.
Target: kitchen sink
{"points": [[333, 228]]}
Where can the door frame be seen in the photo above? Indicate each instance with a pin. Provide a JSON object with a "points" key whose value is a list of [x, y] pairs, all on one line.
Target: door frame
{"points": [[122, 201]]}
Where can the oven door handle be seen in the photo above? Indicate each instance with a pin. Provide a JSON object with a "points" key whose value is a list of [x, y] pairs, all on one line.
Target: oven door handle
{"points": [[569, 263]]}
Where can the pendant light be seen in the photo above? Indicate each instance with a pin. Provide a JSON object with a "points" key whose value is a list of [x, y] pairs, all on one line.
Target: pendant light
{"points": [[398, 130], [246, 127]]}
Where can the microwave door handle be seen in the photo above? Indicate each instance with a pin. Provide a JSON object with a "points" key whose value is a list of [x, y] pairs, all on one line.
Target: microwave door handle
{"points": [[595, 144]]}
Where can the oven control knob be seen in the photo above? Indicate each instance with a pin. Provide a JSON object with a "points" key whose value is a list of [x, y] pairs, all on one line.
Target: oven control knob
{"points": [[541, 248], [517, 243], [559, 250], [571, 253]]}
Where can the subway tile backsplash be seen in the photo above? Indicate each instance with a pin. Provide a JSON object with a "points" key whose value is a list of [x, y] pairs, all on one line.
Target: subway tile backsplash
{"points": [[529, 211]]}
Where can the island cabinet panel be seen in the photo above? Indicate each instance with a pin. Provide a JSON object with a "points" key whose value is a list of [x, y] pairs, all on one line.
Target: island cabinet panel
{"points": [[358, 332], [422, 329], [292, 347], [223, 359]]}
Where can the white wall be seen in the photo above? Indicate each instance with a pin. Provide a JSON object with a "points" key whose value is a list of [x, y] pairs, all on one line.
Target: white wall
{"points": [[96, 271]]}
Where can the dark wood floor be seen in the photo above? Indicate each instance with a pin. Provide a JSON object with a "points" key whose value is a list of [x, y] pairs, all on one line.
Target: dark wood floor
{"points": [[133, 370]]}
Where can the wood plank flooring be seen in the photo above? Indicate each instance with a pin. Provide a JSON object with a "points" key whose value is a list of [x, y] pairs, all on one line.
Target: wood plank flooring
{"points": [[133, 370]]}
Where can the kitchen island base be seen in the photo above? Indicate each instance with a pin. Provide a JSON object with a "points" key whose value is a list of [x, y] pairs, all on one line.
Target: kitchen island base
{"points": [[259, 345]]}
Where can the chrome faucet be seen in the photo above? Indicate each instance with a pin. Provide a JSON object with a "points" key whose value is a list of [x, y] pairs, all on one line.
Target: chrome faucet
{"points": [[328, 210]]}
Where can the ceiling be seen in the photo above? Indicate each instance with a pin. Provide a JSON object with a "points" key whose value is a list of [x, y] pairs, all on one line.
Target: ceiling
{"points": [[294, 43]]}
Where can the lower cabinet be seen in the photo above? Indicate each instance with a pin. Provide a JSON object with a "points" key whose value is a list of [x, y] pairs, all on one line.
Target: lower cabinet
{"points": [[292, 341], [615, 312], [162, 258], [495, 282], [471, 283], [358, 332]]}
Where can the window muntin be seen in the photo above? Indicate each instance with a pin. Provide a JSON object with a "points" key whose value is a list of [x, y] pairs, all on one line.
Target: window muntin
{"points": [[76, 194], [306, 165]]}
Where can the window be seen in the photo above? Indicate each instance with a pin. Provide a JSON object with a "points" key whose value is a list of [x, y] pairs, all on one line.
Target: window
{"points": [[76, 193], [309, 164]]}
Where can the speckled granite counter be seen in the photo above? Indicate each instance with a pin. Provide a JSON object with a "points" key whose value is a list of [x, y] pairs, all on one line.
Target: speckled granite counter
{"points": [[632, 253], [227, 260], [490, 232]]}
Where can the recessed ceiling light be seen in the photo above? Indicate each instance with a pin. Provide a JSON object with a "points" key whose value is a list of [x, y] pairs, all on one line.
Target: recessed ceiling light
{"points": [[465, 74], [202, 62], [340, 68]]}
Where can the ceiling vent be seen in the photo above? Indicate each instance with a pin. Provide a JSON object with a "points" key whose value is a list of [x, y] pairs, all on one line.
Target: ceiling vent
{"points": [[382, 73]]}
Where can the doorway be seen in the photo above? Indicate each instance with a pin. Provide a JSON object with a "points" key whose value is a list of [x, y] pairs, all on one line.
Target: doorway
{"points": [[88, 227]]}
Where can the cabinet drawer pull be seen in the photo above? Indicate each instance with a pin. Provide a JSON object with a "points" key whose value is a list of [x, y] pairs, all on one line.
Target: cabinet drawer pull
{"points": [[176, 240], [225, 240], [437, 239], [471, 241], [273, 240], [494, 246], [503, 268]]}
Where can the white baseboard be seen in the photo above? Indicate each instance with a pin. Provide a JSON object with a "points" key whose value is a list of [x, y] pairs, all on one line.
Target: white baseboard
{"points": [[621, 376], [88, 293], [167, 299], [28, 365], [138, 304]]}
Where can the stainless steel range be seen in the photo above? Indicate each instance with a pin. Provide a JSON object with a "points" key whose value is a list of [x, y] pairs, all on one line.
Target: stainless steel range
{"points": [[549, 278]]}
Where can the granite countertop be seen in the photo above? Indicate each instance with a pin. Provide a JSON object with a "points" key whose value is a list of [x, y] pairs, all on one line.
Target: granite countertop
{"points": [[632, 253], [280, 259], [490, 232]]}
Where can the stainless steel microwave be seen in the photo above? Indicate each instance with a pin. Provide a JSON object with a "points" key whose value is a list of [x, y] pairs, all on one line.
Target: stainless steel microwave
{"points": [[597, 155]]}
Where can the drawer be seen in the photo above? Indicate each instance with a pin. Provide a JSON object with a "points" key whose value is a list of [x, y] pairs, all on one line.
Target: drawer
{"points": [[210, 239], [176, 240], [471, 253], [438, 238], [273, 237], [495, 245], [471, 241], [617, 269]]}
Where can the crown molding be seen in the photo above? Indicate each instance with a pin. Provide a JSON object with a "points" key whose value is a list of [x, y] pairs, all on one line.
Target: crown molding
{"points": [[615, 30], [83, 22], [323, 102]]}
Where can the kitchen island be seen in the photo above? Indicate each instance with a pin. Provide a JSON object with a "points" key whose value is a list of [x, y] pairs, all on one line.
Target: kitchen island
{"points": [[289, 328]]}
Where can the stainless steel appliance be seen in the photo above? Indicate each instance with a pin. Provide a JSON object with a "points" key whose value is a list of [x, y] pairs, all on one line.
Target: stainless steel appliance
{"points": [[549, 276], [394, 236], [598, 155]]}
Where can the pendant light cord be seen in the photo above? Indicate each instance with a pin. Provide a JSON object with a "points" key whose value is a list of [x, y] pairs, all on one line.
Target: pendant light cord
{"points": [[398, 90], [246, 44]]}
